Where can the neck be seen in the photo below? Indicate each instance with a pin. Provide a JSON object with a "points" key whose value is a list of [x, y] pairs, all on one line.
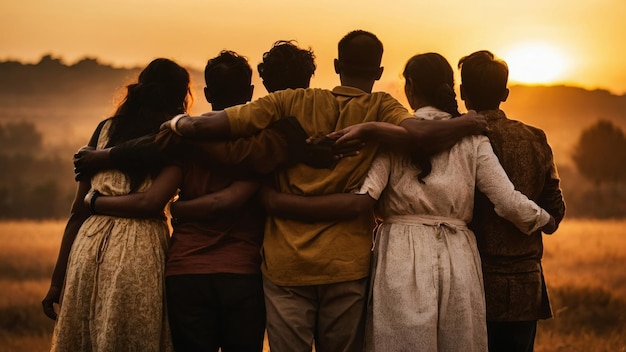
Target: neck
{"points": [[364, 84], [216, 106]]}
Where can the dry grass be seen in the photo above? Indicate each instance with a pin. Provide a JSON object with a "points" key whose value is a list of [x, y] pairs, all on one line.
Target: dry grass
{"points": [[584, 269], [587, 253], [584, 265]]}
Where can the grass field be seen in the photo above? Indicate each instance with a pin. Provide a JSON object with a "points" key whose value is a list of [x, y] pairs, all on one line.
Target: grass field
{"points": [[584, 265]]}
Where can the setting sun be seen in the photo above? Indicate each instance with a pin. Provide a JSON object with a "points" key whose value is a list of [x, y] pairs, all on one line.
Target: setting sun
{"points": [[535, 63]]}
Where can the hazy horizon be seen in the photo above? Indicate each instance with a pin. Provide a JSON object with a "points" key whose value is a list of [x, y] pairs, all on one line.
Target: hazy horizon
{"points": [[554, 42]]}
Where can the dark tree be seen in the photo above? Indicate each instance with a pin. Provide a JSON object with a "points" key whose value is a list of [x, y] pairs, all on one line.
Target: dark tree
{"points": [[19, 138], [600, 154]]}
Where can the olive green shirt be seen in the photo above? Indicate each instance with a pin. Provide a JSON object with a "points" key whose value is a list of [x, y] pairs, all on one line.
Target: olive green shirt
{"points": [[299, 253]]}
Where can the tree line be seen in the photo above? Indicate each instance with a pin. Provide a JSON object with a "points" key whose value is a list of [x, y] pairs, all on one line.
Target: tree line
{"points": [[34, 183]]}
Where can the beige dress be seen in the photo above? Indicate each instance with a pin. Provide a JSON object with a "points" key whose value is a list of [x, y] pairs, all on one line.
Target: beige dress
{"points": [[427, 289], [114, 289]]}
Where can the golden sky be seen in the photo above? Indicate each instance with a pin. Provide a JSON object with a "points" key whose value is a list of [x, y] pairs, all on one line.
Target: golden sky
{"points": [[577, 42]]}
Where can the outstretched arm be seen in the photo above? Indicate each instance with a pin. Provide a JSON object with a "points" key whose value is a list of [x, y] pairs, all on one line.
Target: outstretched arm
{"points": [[143, 204], [425, 137], [78, 214], [331, 207], [262, 153], [139, 153], [144, 152], [217, 203], [429, 137], [210, 125]]}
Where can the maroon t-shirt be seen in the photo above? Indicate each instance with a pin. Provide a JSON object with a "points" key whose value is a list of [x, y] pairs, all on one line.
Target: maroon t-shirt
{"points": [[228, 244]]}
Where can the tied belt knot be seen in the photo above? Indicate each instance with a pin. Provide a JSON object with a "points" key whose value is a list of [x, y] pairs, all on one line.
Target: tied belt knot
{"points": [[440, 222]]}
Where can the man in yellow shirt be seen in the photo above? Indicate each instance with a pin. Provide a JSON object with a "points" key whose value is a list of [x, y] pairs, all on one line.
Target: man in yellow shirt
{"points": [[315, 273]]}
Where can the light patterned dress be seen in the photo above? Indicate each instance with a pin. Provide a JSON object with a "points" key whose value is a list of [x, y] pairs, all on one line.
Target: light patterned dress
{"points": [[113, 297], [427, 289]]}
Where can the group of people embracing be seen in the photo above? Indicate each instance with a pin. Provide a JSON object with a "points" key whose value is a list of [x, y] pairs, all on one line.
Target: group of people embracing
{"points": [[327, 218]]}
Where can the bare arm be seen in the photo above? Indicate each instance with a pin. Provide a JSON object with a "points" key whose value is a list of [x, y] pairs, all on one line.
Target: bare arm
{"points": [[426, 137], [337, 206], [432, 136], [143, 204], [261, 153], [140, 152], [214, 125], [79, 213], [215, 204]]}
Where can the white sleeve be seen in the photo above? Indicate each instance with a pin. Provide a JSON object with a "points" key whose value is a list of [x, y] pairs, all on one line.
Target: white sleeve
{"points": [[491, 179], [377, 176]]}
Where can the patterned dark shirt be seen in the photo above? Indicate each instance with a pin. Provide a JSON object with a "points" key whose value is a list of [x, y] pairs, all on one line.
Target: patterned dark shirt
{"points": [[514, 284]]}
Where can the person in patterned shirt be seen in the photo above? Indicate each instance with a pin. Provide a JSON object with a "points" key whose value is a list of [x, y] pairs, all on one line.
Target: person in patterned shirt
{"points": [[515, 289]]}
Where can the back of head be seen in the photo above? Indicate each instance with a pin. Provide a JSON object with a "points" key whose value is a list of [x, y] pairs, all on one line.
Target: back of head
{"points": [[429, 82], [484, 78], [360, 54], [286, 65], [431, 78], [228, 78], [162, 91]]}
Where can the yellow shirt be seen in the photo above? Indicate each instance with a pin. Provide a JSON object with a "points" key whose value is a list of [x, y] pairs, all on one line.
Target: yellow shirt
{"points": [[297, 253]]}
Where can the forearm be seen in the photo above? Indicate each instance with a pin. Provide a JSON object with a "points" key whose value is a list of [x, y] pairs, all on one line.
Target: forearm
{"points": [[140, 205], [389, 134], [215, 204], [429, 137], [261, 153], [213, 126], [135, 205], [137, 153], [332, 207]]}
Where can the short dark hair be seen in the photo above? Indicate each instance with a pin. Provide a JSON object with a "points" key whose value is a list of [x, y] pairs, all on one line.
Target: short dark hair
{"points": [[228, 77], [484, 78], [360, 54], [286, 65]]}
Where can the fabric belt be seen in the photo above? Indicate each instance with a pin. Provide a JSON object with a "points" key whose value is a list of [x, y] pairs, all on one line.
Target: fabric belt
{"points": [[437, 221]]}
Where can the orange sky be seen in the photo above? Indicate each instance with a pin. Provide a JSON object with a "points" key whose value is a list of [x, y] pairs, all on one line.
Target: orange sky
{"points": [[581, 42]]}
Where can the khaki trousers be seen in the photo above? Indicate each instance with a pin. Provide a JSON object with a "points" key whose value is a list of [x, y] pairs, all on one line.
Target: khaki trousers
{"points": [[331, 315]]}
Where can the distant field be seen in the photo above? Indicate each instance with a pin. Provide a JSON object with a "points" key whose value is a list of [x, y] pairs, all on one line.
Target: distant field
{"points": [[584, 264]]}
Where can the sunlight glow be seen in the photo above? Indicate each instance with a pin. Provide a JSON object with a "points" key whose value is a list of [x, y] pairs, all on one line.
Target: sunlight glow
{"points": [[535, 63]]}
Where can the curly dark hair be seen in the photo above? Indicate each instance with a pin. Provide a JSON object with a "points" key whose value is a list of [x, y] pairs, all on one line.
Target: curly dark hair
{"points": [[286, 66], [228, 78]]}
